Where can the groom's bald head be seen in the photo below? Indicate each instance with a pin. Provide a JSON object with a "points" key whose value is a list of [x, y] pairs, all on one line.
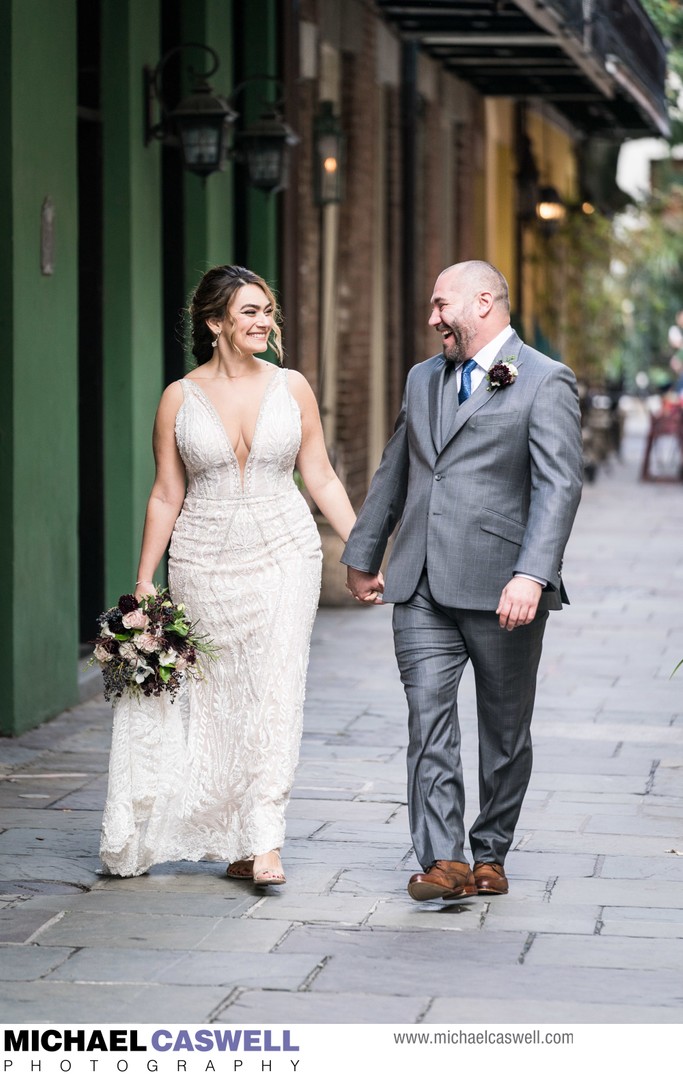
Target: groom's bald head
{"points": [[478, 276]]}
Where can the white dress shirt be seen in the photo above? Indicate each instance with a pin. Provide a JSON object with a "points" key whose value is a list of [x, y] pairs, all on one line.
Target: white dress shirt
{"points": [[484, 360]]}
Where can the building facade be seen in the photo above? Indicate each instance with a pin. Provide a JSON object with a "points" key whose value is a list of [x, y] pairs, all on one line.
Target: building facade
{"points": [[453, 124]]}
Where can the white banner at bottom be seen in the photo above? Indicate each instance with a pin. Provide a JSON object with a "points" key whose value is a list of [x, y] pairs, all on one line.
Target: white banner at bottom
{"points": [[332, 1049]]}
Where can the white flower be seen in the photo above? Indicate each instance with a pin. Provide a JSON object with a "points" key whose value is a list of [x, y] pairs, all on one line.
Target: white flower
{"points": [[167, 657], [142, 672], [128, 652]]}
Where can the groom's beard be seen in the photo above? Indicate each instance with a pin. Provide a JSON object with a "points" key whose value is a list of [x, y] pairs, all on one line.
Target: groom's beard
{"points": [[456, 348]]}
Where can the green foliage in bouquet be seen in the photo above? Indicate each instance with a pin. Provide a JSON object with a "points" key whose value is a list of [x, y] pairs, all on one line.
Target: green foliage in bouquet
{"points": [[148, 646]]}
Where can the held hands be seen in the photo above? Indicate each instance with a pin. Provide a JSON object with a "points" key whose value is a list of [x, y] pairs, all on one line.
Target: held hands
{"points": [[518, 602], [364, 586]]}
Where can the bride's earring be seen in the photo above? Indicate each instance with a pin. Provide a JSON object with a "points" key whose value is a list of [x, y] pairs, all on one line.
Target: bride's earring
{"points": [[214, 343]]}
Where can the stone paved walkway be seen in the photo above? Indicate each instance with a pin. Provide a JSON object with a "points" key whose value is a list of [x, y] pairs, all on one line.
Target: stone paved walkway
{"points": [[592, 930]]}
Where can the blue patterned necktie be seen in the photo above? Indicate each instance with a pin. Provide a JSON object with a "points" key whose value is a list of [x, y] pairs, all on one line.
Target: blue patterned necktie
{"points": [[466, 381]]}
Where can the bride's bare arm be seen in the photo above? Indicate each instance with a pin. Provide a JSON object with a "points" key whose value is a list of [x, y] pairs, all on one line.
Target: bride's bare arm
{"points": [[313, 462], [168, 491]]}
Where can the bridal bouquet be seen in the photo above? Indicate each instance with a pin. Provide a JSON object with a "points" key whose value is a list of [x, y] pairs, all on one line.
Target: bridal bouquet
{"points": [[148, 646]]}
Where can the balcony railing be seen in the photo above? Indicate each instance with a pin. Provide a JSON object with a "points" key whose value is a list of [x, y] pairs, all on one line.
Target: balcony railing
{"points": [[600, 62], [621, 29]]}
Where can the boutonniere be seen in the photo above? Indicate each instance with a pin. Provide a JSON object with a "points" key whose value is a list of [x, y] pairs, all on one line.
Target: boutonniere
{"points": [[501, 374]]}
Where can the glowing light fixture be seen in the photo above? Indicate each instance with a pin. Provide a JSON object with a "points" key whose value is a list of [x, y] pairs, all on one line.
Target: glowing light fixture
{"points": [[328, 150], [550, 210]]}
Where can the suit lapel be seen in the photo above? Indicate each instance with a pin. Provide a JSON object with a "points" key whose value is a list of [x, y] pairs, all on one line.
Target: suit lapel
{"points": [[435, 397], [510, 350]]}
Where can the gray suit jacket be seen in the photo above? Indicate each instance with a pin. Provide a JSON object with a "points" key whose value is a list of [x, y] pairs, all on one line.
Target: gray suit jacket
{"points": [[499, 495]]}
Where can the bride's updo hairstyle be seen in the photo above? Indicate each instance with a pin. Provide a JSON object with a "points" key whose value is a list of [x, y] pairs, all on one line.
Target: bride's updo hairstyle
{"points": [[212, 298]]}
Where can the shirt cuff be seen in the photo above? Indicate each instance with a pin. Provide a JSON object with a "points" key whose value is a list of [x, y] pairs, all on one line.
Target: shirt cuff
{"points": [[534, 578]]}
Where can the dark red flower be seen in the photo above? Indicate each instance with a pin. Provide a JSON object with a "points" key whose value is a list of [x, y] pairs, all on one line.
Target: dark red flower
{"points": [[127, 603], [501, 375]]}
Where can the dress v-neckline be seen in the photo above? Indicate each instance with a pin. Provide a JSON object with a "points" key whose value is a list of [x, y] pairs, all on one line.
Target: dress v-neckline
{"points": [[219, 422]]}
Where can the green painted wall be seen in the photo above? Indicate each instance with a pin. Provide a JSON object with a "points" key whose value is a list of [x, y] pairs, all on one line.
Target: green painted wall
{"points": [[39, 313], [132, 283], [208, 203], [38, 332], [6, 366], [260, 57]]}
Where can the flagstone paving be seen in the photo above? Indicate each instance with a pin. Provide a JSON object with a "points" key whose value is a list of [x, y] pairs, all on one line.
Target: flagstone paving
{"points": [[591, 931]]}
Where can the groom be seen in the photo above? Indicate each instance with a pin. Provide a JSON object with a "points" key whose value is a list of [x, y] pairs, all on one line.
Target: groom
{"points": [[484, 474]]}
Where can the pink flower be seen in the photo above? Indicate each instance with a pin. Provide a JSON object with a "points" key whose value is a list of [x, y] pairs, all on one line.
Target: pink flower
{"points": [[102, 654], [136, 619], [147, 642]]}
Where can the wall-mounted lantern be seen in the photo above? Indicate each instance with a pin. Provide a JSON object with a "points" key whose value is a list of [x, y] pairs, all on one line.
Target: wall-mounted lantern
{"points": [[200, 124], [265, 145], [328, 156], [550, 210]]}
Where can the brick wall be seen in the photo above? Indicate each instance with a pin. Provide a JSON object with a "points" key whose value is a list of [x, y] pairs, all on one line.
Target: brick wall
{"points": [[394, 210], [307, 346], [448, 222], [432, 220], [355, 263]]}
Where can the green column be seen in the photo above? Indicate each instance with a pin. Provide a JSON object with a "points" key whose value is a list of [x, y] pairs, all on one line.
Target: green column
{"points": [[132, 283], [260, 57], [7, 530], [209, 202], [38, 337]]}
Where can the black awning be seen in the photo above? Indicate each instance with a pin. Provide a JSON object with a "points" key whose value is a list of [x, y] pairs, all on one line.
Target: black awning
{"points": [[606, 76]]}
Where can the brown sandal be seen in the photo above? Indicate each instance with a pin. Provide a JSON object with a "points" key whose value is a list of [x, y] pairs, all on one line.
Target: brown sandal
{"points": [[241, 868]]}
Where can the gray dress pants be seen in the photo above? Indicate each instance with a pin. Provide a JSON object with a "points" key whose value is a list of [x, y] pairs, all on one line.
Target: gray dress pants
{"points": [[433, 644]]}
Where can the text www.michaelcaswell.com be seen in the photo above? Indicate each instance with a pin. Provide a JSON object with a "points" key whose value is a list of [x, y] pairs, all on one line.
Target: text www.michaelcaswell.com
{"points": [[482, 1038]]}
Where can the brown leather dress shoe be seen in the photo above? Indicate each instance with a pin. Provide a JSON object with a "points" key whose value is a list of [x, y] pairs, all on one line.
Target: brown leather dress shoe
{"points": [[445, 878], [490, 879]]}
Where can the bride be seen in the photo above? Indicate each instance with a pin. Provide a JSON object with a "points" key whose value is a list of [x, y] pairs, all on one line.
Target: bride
{"points": [[209, 776]]}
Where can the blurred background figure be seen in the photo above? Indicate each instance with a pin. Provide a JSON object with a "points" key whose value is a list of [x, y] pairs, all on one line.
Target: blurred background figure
{"points": [[676, 333], [676, 344]]}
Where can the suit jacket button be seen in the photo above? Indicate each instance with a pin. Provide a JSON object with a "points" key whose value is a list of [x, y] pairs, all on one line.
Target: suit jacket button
{"points": [[437, 477]]}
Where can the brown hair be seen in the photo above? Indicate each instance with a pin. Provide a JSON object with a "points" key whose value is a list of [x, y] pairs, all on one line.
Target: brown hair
{"points": [[211, 299]]}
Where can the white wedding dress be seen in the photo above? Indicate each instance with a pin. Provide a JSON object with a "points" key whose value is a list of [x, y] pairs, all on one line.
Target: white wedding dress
{"points": [[209, 775]]}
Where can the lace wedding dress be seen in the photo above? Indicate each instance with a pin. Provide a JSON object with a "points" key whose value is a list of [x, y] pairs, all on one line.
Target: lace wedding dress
{"points": [[209, 775]]}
